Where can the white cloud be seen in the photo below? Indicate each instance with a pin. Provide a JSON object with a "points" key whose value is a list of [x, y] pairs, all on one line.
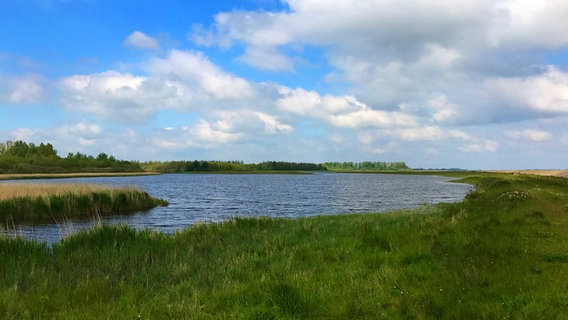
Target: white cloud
{"points": [[480, 146], [222, 128], [204, 132], [111, 95], [422, 134], [340, 111], [298, 101], [26, 89], [252, 122], [547, 92], [455, 80], [390, 55], [530, 134], [268, 59], [534, 23], [141, 40], [182, 81], [81, 129], [198, 76], [425, 133], [366, 117], [445, 110], [25, 134]]}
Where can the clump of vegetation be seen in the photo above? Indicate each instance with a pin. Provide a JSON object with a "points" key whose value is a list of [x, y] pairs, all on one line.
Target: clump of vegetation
{"points": [[483, 258], [22, 157], [59, 202]]}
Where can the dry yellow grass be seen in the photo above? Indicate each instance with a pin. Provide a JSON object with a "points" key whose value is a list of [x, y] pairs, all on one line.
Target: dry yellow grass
{"points": [[34, 190], [553, 173]]}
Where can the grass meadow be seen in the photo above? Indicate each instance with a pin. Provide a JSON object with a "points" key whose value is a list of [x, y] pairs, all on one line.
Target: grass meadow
{"points": [[39, 203], [502, 253]]}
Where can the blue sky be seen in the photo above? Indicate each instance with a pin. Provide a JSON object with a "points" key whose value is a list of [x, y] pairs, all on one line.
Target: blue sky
{"points": [[475, 84]]}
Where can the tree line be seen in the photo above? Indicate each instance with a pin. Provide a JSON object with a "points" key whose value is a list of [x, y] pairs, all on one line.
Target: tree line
{"points": [[228, 166], [239, 166], [366, 166], [22, 157]]}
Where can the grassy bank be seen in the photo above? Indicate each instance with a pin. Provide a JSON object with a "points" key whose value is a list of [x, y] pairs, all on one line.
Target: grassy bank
{"points": [[36, 203], [500, 254]]}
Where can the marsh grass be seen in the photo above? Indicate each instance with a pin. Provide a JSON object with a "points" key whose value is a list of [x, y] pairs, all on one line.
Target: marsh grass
{"points": [[488, 257], [36, 203]]}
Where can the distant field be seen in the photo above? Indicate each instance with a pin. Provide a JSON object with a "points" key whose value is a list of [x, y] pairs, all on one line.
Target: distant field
{"points": [[552, 173]]}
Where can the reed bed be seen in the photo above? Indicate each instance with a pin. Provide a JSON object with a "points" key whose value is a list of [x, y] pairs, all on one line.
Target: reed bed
{"points": [[33, 203]]}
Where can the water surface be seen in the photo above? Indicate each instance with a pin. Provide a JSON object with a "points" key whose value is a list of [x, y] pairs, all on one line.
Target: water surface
{"points": [[206, 198]]}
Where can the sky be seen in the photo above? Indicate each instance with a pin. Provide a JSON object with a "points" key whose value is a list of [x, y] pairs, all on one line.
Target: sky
{"points": [[472, 84]]}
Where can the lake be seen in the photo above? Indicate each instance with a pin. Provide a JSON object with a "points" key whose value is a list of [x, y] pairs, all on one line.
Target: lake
{"points": [[205, 198]]}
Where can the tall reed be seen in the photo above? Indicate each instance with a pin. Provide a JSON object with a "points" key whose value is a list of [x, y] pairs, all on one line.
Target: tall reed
{"points": [[57, 202]]}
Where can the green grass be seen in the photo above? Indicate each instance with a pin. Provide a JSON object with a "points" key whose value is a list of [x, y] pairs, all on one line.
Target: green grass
{"points": [[500, 254]]}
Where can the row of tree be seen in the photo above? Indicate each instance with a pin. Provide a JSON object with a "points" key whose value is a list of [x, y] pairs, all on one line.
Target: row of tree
{"points": [[366, 166], [21, 157], [226, 166], [196, 166], [236, 166]]}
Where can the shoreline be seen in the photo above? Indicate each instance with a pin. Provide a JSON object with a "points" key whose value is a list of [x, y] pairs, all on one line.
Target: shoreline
{"points": [[23, 176]]}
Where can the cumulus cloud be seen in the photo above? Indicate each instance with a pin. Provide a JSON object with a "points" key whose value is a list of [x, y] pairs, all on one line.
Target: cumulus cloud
{"points": [[546, 92], [340, 111], [80, 136], [27, 89], [80, 129], [452, 74], [445, 59], [198, 76], [444, 110], [182, 81], [223, 128], [140, 40], [207, 133], [110, 95], [533, 23]]}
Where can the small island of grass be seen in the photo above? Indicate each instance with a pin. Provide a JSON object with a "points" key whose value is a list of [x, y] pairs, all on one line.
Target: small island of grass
{"points": [[35, 203]]}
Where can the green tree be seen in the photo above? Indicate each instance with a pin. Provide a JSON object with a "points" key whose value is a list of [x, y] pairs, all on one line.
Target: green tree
{"points": [[102, 157], [18, 148], [46, 150]]}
